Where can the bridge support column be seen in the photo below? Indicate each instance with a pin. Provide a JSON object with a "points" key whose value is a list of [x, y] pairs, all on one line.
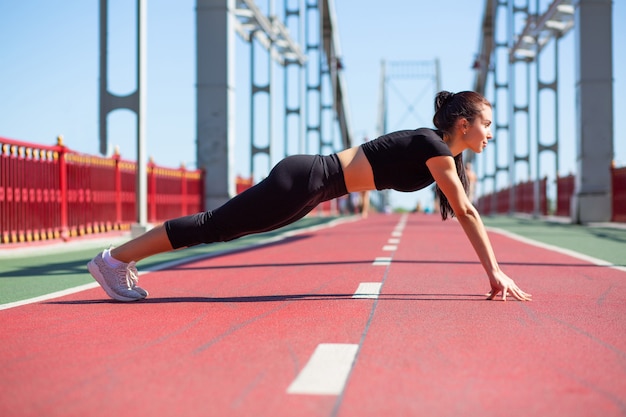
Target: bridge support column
{"points": [[591, 201], [215, 127]]}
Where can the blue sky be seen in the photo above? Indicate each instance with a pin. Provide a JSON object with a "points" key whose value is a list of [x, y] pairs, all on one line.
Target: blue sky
{"points": [[49, 72]]}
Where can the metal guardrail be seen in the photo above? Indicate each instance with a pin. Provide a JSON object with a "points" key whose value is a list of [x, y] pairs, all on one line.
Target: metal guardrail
{"points": [[52, 192], [499, 202]]}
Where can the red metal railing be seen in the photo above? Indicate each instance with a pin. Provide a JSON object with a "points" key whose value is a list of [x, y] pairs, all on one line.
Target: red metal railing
{"points": [[524, 199], [243, 183], [49, 192], [564, 192], [173, 193], [25, 209]]}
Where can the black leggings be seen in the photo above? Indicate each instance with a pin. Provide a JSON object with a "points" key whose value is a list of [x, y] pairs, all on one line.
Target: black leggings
{"points": [[293, 188]]}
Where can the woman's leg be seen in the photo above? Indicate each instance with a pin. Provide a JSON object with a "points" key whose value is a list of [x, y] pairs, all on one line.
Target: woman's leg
{"points": [[282, 198], [152, 242], [278, 200]]}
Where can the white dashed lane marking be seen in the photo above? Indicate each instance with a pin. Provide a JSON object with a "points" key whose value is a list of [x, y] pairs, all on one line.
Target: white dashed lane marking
{"points": [[382, 261], [368, 290], [326, 371]]}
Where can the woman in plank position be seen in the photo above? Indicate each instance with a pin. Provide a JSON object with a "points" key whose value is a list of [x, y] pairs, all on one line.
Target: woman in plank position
{"points": [[407, 160]]}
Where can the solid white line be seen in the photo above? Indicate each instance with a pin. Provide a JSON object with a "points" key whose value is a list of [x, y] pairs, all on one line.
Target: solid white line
{"points": [[381, 261], [327, 370], [368, 290], [564, 251], [49, 296]]}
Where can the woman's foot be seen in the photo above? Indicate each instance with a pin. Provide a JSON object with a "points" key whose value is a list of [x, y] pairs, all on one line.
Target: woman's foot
{"points": [[120, 281]]}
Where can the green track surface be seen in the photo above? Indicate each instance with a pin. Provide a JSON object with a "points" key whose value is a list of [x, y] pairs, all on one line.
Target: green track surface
{"points": [[606, 242]]}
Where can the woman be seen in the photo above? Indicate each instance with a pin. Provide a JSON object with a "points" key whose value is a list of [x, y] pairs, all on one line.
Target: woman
{"points": [[406, 161]]}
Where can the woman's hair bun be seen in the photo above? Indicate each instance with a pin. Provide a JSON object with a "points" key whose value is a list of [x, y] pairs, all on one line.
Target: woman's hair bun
{"points": [[441, 98]]}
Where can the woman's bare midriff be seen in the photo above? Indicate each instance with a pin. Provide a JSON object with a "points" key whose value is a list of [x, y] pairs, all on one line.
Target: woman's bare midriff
{"points": [[357, 170]]}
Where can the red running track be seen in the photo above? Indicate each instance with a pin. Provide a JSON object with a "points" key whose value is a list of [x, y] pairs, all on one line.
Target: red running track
{"points": [[228, 336]]}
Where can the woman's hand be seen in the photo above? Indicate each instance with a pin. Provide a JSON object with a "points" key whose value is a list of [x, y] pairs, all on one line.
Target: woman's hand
{"points": [[500, 282]]}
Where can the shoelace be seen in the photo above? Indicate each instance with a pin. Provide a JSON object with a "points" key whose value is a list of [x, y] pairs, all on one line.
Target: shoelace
{"points": [[132, 275], [125, 277], [122, 277]]}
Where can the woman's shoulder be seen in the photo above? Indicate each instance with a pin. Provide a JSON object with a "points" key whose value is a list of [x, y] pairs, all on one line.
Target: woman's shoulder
{"points": [[410, 134], [431, 142], [415, 140], [429, 134]]}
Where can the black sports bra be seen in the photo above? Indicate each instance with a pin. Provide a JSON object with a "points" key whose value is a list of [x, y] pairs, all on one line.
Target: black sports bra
{"points": [[398, 159]]}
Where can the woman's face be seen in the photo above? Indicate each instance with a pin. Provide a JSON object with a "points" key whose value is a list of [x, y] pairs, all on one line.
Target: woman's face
{"points": [[479, 132]]}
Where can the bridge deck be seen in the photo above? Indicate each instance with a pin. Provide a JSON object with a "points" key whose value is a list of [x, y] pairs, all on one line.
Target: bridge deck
{"points": [[383, 316]]}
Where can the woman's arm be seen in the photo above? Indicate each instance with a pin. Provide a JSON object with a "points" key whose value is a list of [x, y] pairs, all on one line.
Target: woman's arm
{"points": [[444, 172]]}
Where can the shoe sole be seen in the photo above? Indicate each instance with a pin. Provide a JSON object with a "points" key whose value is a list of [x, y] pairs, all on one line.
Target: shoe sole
{"points": [[95, 273]]}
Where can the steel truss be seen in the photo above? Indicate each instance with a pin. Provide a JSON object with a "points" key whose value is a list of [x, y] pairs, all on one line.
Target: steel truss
{"points": [[524, 46]]}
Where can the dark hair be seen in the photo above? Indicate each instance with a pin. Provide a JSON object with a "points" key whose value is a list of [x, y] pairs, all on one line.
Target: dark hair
{"points": [[449, 108]]}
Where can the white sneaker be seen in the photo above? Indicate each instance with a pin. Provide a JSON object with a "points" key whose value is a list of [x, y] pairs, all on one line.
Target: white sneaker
{"points": [[116, 282], [133, 280]]}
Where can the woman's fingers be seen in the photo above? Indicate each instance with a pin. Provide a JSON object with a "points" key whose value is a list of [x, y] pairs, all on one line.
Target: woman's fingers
{"points": [[524, 296], [514, 292], [518, 294], [491, 294]]}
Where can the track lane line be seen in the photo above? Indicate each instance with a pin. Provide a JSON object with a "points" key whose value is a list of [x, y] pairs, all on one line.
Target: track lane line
{"points": [[326, 372], [368, 290], [382, 261], [569, 252]]}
